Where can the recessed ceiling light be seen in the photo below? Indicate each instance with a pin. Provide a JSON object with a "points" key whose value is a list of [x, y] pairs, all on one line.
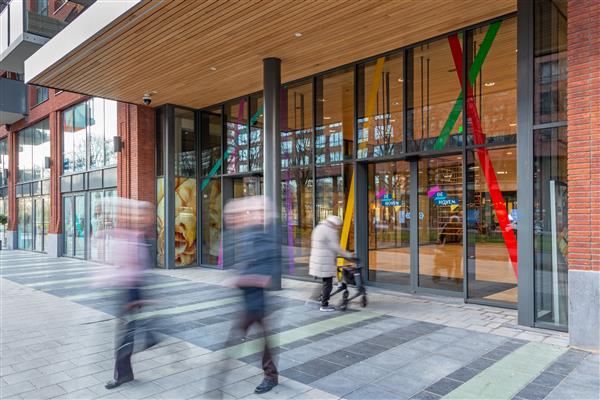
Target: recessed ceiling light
{"points": [[400, 80], [326, 117], [489, 84], [396, 103], [298, 34], [513, 124], [459, 158], [509, 153], [213, 68]]}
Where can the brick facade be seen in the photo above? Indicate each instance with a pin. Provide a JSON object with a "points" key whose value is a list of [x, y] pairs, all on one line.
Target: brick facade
{"points": [[136, 162], [584, 133]]}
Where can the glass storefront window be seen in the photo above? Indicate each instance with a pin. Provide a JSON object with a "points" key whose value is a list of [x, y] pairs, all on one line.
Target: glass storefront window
{"points": [[160, 221], [185, 188], [79, 137], [434, 89], [380, 105], [3, 162], [236, 124], [550, 62], [212, 249], [296, 125], [103, 218], [550, 178], [25, 223], [550, 201], [256, 132], [334, 139], [492, 84], [211, 132], [68, 225], [332, 194], [89, 127], [297, 219], [492, 224], [34, 147], [440, 223], [96, 138], [389, 222], [4, 211]]}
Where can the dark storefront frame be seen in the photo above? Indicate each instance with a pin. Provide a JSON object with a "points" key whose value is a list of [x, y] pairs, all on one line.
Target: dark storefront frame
{"points": [[524, 148]]}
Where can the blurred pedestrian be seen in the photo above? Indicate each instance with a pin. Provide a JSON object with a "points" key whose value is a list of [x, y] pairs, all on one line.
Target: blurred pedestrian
{"points": [[249, 225], [130, 250], [325, 249]]}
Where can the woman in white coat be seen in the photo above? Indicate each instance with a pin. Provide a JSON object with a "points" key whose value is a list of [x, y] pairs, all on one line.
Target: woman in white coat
{"points": [[324, 253]]}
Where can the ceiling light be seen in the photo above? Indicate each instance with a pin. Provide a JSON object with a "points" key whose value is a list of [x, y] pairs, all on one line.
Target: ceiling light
{"points": [[513, 124], [509, 153], [400, 80], [326, 117], [489, 84], [298, 34], [213, 68], [396, 103]]}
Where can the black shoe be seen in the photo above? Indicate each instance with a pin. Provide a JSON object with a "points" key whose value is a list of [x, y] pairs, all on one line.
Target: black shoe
{"points": [[114, 383], [265, 386]]}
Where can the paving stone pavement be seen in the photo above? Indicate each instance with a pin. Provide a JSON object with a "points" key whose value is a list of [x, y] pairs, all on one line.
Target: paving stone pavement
{"points": [[57, 339]]}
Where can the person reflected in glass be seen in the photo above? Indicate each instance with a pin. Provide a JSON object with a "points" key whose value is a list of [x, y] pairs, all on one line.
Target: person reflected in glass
{"points": [[447, 257]]}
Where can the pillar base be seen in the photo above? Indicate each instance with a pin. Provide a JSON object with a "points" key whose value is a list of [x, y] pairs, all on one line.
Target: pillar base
{"points": [[53, 244], [584, 303]]}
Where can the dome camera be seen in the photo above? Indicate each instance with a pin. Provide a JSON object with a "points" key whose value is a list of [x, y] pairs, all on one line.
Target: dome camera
{"points": [[147, 98]]}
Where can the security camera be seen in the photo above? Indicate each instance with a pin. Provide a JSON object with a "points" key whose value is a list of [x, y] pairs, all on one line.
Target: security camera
{"points": [[147, 98]]}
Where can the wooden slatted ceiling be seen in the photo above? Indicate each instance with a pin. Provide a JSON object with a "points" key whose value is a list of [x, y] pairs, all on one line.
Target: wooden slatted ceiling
{"points": [[170, 46]]}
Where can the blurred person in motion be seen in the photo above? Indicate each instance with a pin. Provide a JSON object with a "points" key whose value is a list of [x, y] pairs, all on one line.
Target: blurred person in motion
{"points": [[129, 250], [249, 225], [325, 249]]}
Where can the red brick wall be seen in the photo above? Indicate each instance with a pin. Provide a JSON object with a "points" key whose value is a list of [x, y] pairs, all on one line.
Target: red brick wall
{"points": [[136, 165], [584, 133]]}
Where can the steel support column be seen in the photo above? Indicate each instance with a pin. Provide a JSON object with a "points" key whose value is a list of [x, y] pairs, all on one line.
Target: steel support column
{"points": [[168, 137], [272, 149], [525, 161]]}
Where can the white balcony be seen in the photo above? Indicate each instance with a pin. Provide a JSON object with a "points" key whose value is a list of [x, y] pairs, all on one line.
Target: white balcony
{"points": [[24, 29]]}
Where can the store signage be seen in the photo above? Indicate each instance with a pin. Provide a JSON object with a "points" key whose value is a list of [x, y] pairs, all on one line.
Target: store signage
{"points": [[388, 201], [442, 199]]}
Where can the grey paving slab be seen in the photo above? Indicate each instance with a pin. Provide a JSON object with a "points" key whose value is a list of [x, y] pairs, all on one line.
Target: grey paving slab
{"points": [[371, 392], [47, 392], [534, 392]]}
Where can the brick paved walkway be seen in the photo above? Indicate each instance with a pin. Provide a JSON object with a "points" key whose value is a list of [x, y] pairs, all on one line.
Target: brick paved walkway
{"points": [[57, 342]]}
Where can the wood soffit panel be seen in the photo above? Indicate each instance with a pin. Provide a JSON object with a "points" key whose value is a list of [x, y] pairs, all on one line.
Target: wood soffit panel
{"points": [[202, 52]]}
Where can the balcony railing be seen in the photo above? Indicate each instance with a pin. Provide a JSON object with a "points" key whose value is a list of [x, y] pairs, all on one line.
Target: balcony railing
{"points": [[25, 26]]}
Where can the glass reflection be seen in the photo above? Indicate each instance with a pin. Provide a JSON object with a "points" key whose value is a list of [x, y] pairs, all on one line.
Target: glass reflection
{"points": [[211, 131], [492, 274], [211, 223], [433, 87], [296, 125], [297, 219], [440, 223], [389, 222], [256, 133], [380, 107], [236, 120], [335, 117], [185, 187], [492, 90]]}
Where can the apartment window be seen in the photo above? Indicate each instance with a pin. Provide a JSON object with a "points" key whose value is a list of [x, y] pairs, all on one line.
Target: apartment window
{"points": [[40, 95]]}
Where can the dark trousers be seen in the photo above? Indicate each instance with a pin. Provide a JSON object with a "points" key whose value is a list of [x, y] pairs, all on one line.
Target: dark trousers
{"points": [[124, 350], [326, 292]]}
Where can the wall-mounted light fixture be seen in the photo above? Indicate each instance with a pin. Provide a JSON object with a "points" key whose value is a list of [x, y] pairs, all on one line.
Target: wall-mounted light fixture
{"points": [[47, 162], [117, 144]]}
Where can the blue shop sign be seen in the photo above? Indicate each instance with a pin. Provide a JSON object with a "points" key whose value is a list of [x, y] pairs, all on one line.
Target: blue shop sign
{"points": [[388, 201], [448, 201]]}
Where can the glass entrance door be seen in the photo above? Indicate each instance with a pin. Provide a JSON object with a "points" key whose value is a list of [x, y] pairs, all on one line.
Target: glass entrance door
{"points": [[389, 219], [38, 207], [74, 218], [440, 223]]}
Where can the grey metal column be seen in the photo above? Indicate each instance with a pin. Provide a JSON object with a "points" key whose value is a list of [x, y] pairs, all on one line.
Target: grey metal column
{"points": [[525, 162], [361, 214], [169, 184], [272, 149]]}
